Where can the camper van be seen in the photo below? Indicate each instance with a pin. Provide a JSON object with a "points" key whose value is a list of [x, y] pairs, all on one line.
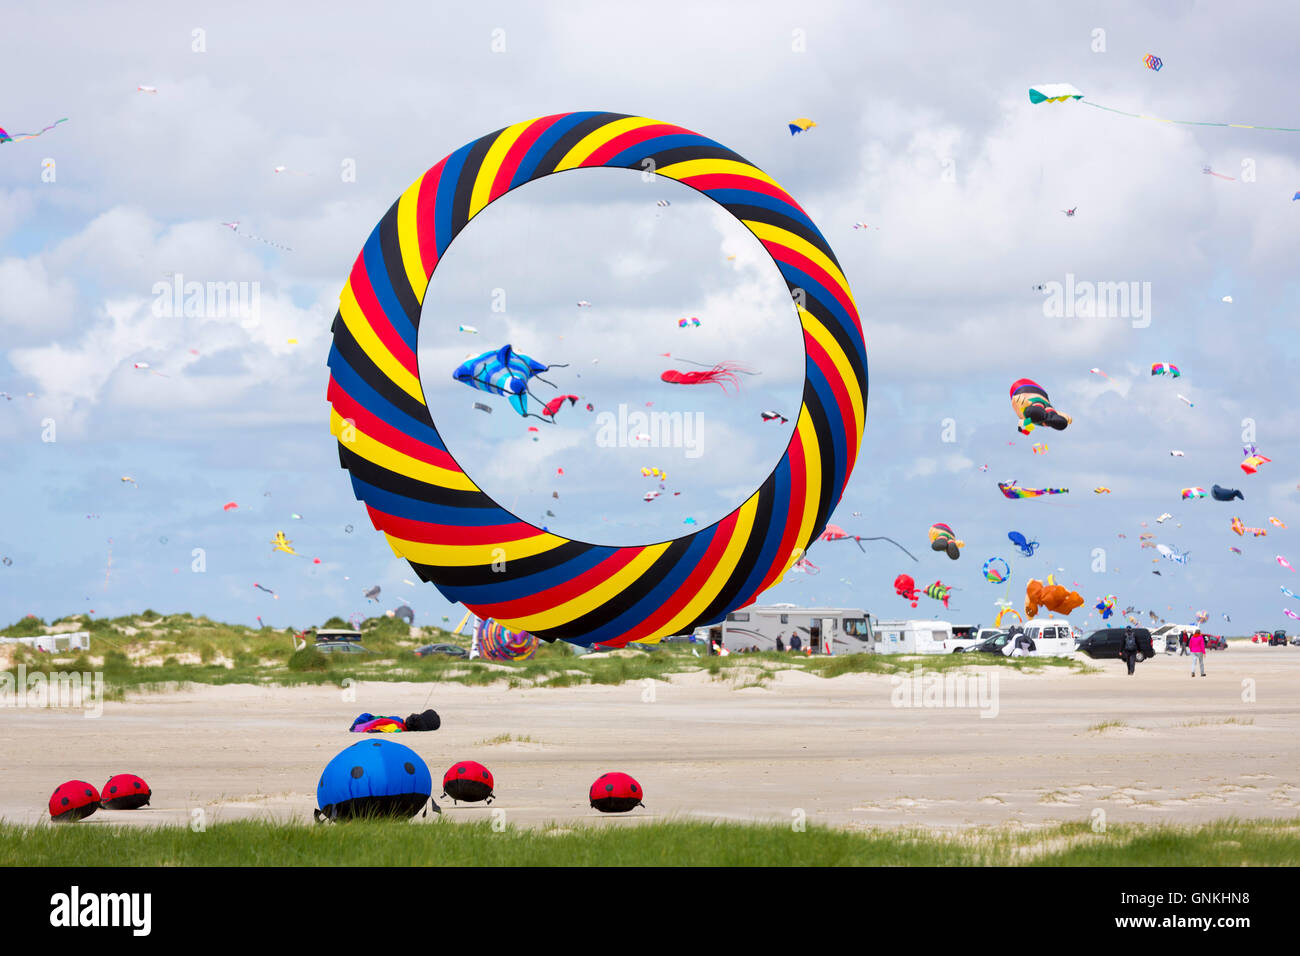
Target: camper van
{"points": [[823, 630], [1165, 637], [918, 637], [1052, 638]]}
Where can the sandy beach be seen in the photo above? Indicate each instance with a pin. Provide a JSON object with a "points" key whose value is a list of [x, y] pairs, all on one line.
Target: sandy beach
{"points": [[839, 750]]}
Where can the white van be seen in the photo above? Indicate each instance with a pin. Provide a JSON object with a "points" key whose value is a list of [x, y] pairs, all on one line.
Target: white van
{"points": [[918, 637], [1051, 637]]}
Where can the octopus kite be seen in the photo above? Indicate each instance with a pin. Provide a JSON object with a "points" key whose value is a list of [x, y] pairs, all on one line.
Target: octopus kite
{"points": [[722, 375], [905, 587]]}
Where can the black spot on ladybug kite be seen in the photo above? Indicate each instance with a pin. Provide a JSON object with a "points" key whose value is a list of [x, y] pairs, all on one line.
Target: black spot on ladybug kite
{"points": [[125, 791], [73, 801], [616, 793], [468, 781]]}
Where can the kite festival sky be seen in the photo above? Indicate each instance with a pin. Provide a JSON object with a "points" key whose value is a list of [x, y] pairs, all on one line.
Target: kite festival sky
{"points": [[303, 124]]}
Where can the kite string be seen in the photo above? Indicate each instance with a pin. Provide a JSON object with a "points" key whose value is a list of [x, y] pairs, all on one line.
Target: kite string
{"points": [[1159, 119]]}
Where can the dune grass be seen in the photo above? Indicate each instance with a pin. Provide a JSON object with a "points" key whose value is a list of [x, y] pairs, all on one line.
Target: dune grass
{"points": [[150, 652], [627, 842]]}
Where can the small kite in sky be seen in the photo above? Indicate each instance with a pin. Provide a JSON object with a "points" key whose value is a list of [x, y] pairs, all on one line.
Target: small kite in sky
{"points": [[836, 533], [944, 540], [1165, 368], [1277, 522], [1252, 463], [722, 375], [801, 125], [503, 372], [467, 328], [1027, 547], [146, 89], [1152, 62], [20, 137], [281, 543], [233, 226], [692, 322], [1239, 528], [662, 202], [1097, 371], [373, 594], [1176, 454], [1032, 406], [1010, 490], [1101, 490], [1226, 494], [1193, 493], [584, 304], [1210, 172], [267, 590], [1188, 401], [1070, 212], [773, 416], [1163, 518], [555, 404], [1284, 562]]}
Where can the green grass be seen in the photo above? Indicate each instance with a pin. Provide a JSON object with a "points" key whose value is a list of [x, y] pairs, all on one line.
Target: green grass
{"points": [[150, 652], [1106, 725], [628, 843]]}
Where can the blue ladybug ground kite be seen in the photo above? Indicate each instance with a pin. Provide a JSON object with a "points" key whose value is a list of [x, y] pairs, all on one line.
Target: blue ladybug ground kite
{"points": [[374, 778]]}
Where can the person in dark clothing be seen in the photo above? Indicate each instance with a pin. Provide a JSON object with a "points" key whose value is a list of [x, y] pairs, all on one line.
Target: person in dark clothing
{"points": [[780, 644], [1129, 652], [796, 642]]}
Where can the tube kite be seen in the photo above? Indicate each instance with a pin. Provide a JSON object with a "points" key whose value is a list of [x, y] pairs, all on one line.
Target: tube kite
{"points": [[478, 553]]}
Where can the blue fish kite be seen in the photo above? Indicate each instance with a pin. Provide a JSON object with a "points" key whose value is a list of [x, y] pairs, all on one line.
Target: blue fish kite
{"points": [[1226, 494], [503, 372]]}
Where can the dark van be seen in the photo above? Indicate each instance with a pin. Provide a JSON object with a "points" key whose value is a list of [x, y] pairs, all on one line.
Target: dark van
{"points": [[1108, 643]]}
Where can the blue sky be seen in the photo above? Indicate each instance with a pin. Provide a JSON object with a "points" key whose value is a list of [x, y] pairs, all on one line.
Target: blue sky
{"points": [[924, 131]]}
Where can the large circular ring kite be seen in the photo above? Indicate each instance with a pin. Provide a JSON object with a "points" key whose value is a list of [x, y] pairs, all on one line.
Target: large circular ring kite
{"points": [[479, 554]]}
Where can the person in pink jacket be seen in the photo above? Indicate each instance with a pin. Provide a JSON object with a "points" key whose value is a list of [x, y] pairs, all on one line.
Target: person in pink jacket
{"points": [[1196, 644]]}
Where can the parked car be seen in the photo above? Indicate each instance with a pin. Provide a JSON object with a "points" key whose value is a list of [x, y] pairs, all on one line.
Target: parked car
{"points": [[1260, 637], [1215, 642], [993, 644], [450, 650], [1108, 643], [341, 647], [1278, 637]]}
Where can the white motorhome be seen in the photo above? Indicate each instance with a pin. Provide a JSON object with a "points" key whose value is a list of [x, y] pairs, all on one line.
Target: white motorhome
{"points": [[54, 643], [918, 637], [1165, 637], [823, 630]]}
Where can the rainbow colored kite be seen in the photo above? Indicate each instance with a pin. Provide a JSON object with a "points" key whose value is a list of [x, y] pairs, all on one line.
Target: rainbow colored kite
{"points": [[1011, 490]]}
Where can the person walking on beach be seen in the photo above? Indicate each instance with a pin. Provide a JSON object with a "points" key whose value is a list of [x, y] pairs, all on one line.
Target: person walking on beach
{"points": [[1130, 649], [1182, 644], [1197, 646]]}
